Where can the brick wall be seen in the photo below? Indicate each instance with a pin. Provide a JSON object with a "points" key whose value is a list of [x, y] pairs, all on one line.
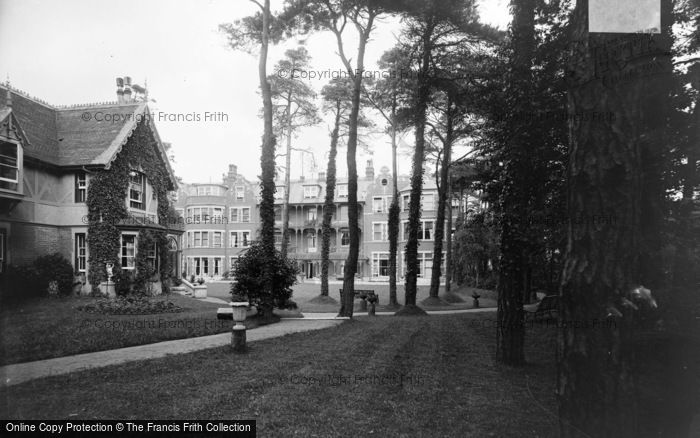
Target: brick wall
{"points": [[27, 242]]}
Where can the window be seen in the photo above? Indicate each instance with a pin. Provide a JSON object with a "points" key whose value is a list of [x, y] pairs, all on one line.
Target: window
{"points": [[217, 266], [425, 263], [406, 202], [80, 252], [379, 231], [9, 166], [137, 190], [201, 266], [152, 258], [216, 239], [428, 202], [217, 215], [378, 204], [342, 190], [311, 241], [425, 230], [344, 237], [311, 214], [80, 187], [128, 251], [234, 215], [278, 213], [279, 193], [232, 262], [240, 239], [245, 214], [201, 239], [240, 192], [310, 191], [380, 264]]}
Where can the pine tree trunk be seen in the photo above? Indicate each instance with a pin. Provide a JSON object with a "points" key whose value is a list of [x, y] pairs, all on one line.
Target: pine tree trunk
{"points": [[348, 296], [448, 256], [417, 170], [287, 181], [442, 201], [511, 331], [267, 158], [329, 204], [607, 178], [394, 212]]}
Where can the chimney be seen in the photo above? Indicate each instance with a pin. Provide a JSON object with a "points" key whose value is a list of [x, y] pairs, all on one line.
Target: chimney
{"points": [[120, 91], [230, 177], [322, 176], [127, 89], [369, 170]]}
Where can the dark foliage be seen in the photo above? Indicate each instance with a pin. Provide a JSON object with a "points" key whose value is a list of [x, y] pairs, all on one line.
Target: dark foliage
{"points": [[250, 270]]}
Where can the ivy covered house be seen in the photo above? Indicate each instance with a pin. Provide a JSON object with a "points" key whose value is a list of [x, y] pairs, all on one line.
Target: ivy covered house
{"points": [[91, 182]]}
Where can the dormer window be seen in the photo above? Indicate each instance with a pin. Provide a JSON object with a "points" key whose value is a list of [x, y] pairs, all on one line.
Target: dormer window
{"points": [[137, 190], [9, 166], [311, 191], [342, 190]]}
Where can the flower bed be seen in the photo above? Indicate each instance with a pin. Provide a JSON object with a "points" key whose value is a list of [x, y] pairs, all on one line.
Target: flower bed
{"points": [[131, 305]]}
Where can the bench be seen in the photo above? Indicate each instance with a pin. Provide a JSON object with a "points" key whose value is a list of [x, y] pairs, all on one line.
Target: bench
{"points": [[362, 294], [549, 306]]}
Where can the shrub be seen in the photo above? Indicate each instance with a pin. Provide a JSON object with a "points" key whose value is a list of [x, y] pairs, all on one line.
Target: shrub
{"points": [[54, 267], [130, 305], [249, 271]]}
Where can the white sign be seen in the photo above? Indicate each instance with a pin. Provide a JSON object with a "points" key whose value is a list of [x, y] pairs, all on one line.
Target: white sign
{"points": [[624, 16]]}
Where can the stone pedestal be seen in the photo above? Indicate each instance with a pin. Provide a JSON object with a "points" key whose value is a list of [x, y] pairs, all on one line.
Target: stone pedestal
{"points": [[107, 289], [199, 291]]}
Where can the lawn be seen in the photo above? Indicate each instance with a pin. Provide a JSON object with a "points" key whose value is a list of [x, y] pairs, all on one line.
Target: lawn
{"points": [[305, 292], [433, 376], [53, 327]]}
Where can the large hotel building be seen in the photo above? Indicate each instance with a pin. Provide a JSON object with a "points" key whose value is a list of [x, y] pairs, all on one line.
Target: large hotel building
{"points": [[222, 219]]}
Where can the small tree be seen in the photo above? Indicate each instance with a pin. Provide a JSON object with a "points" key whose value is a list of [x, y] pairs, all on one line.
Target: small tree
{"points": [[250, 274]]}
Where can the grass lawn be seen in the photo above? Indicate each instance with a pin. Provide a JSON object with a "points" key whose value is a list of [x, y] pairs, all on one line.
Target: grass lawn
{"points": [[305, 292], [53, 327], [316, 384]]}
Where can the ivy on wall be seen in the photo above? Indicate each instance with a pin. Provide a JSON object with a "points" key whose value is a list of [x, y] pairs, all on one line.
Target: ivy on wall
{"points": [[106, 202]]}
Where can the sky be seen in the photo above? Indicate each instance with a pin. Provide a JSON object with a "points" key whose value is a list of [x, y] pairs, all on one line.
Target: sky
{"points": [[70, 52]]}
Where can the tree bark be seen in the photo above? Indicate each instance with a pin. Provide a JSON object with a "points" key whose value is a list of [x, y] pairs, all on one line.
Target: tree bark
{"points": [[606, 179], [329, 204], [510, 328], [394, 212], [267, 158], [448, 256], [287, 180], [417, 169], [348, 296], [442, 198]]}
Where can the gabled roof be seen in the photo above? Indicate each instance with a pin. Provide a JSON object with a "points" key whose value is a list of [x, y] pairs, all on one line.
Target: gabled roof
{"points": [[82, 135]]}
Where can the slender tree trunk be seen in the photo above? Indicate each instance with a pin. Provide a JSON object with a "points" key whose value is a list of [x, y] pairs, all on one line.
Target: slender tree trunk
{"points": [[287, 180], [329, 204], [394, 212], [448, 257], [348, 296], [442, 201], [267, 158], [414, 209], [606, 178], [510, 330]]}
